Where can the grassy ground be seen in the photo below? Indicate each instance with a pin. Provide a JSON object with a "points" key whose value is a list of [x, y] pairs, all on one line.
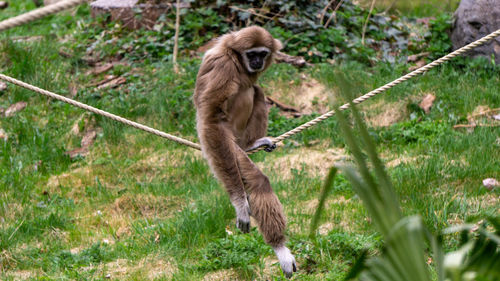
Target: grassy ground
{"points": [[139, 207], [414, 8]]}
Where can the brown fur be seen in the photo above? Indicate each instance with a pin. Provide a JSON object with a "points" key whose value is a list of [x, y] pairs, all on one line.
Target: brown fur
{"points": [[231, 116]]}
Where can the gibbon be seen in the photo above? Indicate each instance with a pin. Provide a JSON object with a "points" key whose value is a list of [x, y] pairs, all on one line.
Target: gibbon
{"points": [[231, 117]]}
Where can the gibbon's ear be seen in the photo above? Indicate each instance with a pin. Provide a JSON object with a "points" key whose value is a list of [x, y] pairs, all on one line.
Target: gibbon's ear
{"points": [[277, 45]]}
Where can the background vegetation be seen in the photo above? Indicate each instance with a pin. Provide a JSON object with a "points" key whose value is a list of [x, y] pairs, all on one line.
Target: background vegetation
{"points": [[138, 207]]}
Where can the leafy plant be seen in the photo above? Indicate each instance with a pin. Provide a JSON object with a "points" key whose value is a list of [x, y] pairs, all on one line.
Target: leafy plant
{"points": [[439, 36], [406, 237]]}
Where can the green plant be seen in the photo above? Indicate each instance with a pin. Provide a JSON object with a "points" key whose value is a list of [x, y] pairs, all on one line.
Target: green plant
{"points": [[406, 237], [439, 39]]}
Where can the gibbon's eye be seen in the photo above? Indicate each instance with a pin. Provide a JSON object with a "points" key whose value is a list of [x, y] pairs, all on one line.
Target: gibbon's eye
{"points": [[263, 53], [251, 54]]}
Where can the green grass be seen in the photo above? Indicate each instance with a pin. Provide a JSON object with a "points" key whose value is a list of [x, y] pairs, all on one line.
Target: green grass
{"points": [[139, 207], [419, 8]]}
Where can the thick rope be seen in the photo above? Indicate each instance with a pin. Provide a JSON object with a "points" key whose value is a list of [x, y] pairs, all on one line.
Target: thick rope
{"points": [[100, 112], [39, 13], [379, 90]]}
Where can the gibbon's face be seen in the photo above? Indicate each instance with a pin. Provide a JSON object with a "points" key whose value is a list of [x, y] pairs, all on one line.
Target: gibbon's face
{"points": [[255, 58]]}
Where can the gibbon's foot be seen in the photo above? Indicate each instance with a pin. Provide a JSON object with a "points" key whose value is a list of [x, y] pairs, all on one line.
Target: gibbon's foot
{"points": [[270, 148], [265, 141], [244, 226], [287, 261], [243, 217]]}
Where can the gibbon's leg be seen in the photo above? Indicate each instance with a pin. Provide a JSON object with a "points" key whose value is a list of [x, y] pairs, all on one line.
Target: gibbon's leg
{"points": [[267, 210], [257, 124], [219, 148]]}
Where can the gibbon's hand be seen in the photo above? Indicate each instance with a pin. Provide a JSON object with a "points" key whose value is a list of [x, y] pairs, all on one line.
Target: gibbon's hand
{"points": [[265, 141]]}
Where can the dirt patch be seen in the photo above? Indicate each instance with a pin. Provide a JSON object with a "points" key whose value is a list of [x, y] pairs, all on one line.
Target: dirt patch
{"points": [[75, 178], [314, 161], [119, 214], [271, 269], [144, 205], [224, 275], [309, 96], [384, 114], [154, 165], [11, 211], [325, 228], [311, 205], [157, 268], [23, 274], [149, 267], [484, 201]]}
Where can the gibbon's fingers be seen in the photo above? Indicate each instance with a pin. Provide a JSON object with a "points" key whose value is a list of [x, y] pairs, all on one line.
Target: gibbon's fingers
{"points": [[265, 141]]}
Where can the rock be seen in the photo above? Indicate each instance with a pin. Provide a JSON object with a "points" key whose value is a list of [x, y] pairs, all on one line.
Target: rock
{"points": [[126, 10], [475, 19], [490, 183], [4, 4]]}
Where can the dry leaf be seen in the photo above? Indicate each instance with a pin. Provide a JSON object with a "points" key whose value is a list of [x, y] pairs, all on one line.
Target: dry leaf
{"points": [[427, 102], [86, 142], [4, 4], [18, 106], [414, 58], [113, 83], [418, 65], [100, 68], [65, 54], [3, 135], [3, 86], [73, 90], [77, 152], [89, 138], [425, 21]]}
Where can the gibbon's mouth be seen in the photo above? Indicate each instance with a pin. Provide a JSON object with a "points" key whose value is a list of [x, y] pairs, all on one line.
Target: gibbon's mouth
{"points": [[253, 69]]}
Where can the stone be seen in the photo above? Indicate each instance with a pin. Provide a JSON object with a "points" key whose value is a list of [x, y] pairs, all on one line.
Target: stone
{"points": [[126, 11], [474, 19]]}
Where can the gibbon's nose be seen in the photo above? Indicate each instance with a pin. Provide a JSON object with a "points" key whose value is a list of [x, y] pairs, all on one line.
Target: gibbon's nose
{"points": [[256, 65]]}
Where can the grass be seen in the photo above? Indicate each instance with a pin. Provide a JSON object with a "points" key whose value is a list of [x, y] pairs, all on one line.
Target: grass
{"points": [[420, 8], [139, 207]]}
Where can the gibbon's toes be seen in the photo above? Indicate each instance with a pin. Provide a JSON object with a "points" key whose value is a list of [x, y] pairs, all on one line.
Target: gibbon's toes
{"points": [[244, 226], [270, 148], [289, 273], [287, 261]]}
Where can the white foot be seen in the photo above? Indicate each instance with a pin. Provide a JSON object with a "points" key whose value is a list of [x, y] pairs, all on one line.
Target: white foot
{"points": [[287, 261]]}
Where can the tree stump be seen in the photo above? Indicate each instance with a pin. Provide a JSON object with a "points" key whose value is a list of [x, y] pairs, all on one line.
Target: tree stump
{"points": [[474, 19]]}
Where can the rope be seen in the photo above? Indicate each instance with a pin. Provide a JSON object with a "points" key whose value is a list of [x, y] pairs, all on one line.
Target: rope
{"points": [[100, 112], [38, 13], [379, 90]]}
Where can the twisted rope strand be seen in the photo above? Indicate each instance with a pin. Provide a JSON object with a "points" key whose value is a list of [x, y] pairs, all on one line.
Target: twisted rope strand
{"points": [[39, 13], [100, 112]]}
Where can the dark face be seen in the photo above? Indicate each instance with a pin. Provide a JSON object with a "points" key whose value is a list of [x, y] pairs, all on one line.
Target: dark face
{"points": [[255, 59]]}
